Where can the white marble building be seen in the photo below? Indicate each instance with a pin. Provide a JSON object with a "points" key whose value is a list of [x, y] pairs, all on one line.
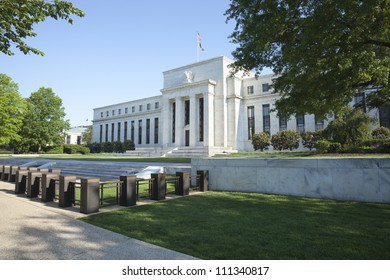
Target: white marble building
{"points": [[201, 108]]}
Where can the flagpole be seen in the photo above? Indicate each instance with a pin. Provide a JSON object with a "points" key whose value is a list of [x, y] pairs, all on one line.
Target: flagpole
{"points": [[197, 47]]}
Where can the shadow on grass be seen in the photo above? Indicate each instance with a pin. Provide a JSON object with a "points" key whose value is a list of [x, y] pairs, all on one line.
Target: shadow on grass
{"points": [[219, 225]]}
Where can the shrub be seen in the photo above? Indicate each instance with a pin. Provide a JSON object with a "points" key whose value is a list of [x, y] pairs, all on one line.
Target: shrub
{"points": [[54, 149], [322, 146], [76, 149], [260, 141], [128, 145], [286, 140], [309, 138], [381, 133], [107, 147], [334, 147], [95, 147]]}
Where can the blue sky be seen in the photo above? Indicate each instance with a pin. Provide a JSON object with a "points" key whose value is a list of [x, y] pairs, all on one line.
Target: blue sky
{"points": [[118, 51]]}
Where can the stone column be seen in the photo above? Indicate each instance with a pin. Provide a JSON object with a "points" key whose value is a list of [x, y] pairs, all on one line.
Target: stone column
{"points": [[209, 119]]}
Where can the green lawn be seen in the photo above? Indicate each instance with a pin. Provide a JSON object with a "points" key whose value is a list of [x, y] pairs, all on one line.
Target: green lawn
{"points": [[221, 225]]}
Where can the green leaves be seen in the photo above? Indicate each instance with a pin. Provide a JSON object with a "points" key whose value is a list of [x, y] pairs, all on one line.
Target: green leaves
{"points": [[323, 51], [17, 18]]}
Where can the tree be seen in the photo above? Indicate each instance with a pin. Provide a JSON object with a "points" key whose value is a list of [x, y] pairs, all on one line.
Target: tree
{"points": [[260, 141], [87, 135], [323, 52], [12, 106], [44, 122], [17, 18], [350, 128]]}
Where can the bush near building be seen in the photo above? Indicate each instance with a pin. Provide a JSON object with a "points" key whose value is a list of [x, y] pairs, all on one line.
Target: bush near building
{"points": [[261, 141], [286, 140], [112, 147]]}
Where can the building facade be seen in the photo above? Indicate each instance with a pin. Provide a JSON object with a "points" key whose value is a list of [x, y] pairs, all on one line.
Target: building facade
{"points": [[201, 106]]}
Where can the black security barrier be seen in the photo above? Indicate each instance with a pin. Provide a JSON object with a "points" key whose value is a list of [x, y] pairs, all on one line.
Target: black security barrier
{"points": [[48, 186], [33, 183], [128, 191], [183, 184], [158, 186], [12, 173], [66, 190], [89, 195], [203, 180], [21, 181], [6, 172]]}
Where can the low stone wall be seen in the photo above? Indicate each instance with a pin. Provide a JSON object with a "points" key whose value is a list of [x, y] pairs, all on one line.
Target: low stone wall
{"points": [[365, 180]]}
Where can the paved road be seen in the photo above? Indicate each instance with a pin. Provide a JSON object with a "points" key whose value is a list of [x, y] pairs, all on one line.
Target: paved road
{"points": [[32, 230]]}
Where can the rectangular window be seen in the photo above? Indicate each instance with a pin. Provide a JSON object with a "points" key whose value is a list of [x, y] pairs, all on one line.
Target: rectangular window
{"points": [[156, 105], [126, 110], [78, 140], [119, 111], [113, 113], [282, 124], [101, 134], [186, 112], [265, 87], [250, 90], [119, 132], [173, 121], [155, 130], [106, 136], [266, 118], [251, 121], [319, 123], [107, 114], [68, 139], [360, 101], [384, 116], [112, 132], [201, 117], [300, 123], [125, 132], [132, 109], [140, 132], [147, 131], [101, 114], [148, 106], [140, 108], [132, 130]]}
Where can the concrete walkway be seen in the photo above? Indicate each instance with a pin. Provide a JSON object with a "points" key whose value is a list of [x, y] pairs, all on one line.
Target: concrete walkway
{"points": [[32, 230]]}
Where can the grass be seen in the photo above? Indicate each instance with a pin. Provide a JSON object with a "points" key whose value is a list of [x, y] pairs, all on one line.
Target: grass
{"points": [[221, 225]]}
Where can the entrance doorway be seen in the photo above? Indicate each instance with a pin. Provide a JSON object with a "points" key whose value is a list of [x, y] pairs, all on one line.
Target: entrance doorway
{"points": [[187, 138]]}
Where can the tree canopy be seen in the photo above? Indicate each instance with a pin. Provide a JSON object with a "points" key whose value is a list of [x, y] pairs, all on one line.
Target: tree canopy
{"points": [[322, 51], [11, 110], [17, 18], [44, 121]]}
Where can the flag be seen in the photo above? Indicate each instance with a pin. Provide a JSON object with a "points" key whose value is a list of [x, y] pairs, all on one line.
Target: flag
{"points": [[200, 42]]}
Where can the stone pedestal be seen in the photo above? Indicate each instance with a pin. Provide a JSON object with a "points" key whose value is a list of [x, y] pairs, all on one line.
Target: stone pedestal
{"points": [[128, 192]]}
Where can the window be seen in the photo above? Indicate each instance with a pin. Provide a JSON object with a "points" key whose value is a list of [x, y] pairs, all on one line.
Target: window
{"points": [[101, 134], [132, 128], [319, 123], [140, 108], [107, 114], [125, 132], [186, 112], [147, 131], [250, 90], [173, 121], [360, 101], [148, 106], [126, 110], [384, 116], [282, 124], [119, 132], [251, 121], [133, 109], [101, 114], [155, 130], [119, 111], [68, 139], [300, 123], [140, 132], [106, 136], [78, 140], [265, 87], [201, 117], [112, 132], [156, 105], [113, 112], [266, 118]]}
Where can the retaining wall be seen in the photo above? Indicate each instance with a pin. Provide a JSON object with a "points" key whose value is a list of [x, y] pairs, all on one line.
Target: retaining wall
{"points": [[366, 180]]}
